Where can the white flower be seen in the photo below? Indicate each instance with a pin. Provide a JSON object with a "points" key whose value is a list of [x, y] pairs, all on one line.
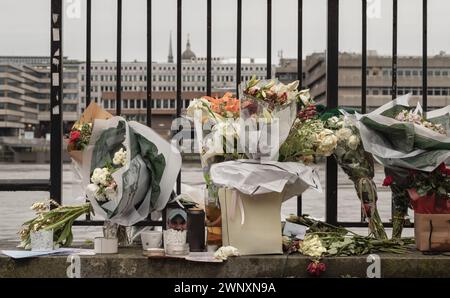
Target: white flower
{"points": [[333, 121], [120, 157], [312, 246], [327, 142], [344, 134], [198, 104], [110, 192], [226, 251], [353, 142]]}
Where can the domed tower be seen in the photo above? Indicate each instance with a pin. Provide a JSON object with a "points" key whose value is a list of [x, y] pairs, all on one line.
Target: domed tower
{"points": [[188, 54]]}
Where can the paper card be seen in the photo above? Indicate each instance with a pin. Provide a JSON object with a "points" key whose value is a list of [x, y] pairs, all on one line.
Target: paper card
{"points": [[292, 229]]}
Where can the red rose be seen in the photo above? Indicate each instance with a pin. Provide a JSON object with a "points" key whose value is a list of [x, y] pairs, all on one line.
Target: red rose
{"points": [[316, 268], [74, 136], [442, 168], [388, 180]]}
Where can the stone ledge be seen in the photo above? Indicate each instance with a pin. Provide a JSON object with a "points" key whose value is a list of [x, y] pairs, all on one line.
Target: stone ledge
{"points": [[131, 263]]}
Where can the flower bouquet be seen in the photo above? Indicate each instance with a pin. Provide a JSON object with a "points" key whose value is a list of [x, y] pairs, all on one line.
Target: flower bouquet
{"points": [[428, 194], [359, 166], [58, 219], [217, 118], [268, 111], [81, 131], [131, 170], [402, 139]]}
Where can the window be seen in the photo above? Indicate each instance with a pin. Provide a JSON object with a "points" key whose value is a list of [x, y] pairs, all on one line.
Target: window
{"points": [[375, 92], [400, 72], [166, 104], [172, 103], [385, 92], [437, 91], [131, 103], [158, 103], [186, 103], [445, 73], [385, 73], [415, 73], [125, 103], [106, 104], [407, 73], [138, 104]]}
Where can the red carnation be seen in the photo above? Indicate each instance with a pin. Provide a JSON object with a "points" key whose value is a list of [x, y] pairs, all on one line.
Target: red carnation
{"points": [[74, 136], [388, 180], [315, 268]]}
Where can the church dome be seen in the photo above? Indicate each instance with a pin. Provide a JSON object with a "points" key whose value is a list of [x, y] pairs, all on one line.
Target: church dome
{"points": [[188, 54]]}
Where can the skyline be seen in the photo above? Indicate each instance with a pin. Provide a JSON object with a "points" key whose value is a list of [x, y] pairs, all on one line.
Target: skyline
{"points": [[20, 40]]}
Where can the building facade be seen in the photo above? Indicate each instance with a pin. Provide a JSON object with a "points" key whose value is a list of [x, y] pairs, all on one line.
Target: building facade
{"points": [[25, 95], [379, 79], [134, 107], [164, 75]]}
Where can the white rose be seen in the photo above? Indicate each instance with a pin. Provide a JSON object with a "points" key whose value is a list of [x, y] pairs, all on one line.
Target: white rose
{"points": [[344, 133], [353, 142], [327, 142]]}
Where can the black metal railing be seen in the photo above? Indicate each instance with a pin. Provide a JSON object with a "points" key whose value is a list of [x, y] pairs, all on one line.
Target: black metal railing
{"points": [[54, 185]]}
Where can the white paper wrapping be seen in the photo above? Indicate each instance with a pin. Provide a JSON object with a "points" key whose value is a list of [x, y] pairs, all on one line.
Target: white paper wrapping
{"points": [[253, 177], [122, 207]]}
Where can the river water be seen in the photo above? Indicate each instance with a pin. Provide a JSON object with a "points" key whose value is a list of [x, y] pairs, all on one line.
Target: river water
{"points": [[15, 206]]}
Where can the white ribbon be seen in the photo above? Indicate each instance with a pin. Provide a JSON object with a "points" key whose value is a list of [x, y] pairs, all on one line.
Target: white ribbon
{"points": [[235, 199]]}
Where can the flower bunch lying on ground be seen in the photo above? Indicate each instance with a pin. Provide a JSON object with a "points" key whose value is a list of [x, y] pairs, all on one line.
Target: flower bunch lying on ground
{"points": [[51, 216], [80, 135], [416, 118], [323, 240]]}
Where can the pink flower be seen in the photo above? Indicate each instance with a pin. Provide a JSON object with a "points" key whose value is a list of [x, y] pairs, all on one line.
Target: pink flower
{"points": [[315, 268]]}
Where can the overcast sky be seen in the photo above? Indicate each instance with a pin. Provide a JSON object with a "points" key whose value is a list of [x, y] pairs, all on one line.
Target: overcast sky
{"points": [[24, 27]]}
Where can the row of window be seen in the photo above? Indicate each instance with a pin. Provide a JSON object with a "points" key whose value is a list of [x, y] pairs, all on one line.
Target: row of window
{"points": [[198, 68], [167, 78], [410, 72], [433, 91], [142, 103], [144, 88]]}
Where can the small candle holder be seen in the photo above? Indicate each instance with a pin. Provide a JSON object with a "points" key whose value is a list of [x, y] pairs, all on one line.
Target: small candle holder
{"points": [[175, 243], [42, 240]]}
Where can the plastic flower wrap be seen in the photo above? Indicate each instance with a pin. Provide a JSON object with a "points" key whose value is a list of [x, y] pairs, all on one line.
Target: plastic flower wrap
{"points": [[401, 138], [80, 134], [131, 170], [268, 111]]}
